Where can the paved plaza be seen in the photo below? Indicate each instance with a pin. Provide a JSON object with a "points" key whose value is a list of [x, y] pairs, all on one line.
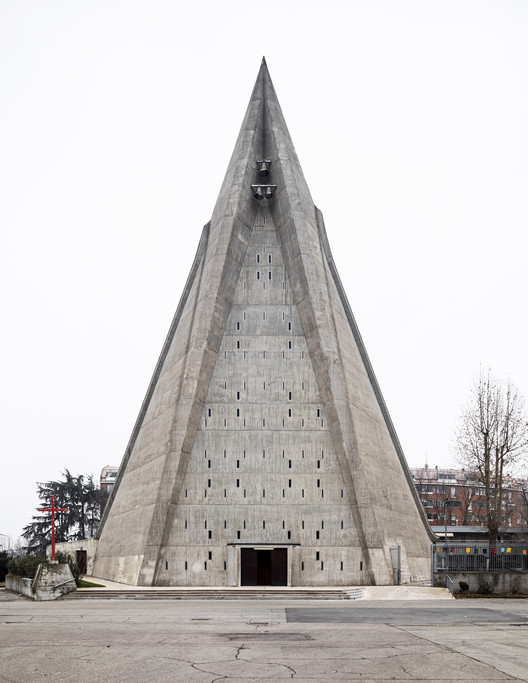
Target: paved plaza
{"points": [[255, 640]]}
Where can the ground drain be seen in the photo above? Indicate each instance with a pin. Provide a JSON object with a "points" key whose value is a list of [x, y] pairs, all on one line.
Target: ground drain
{"points": [[269, 636]]}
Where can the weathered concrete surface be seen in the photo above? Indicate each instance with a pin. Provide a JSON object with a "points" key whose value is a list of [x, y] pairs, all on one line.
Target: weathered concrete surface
{"points": [[70, 548], [500, 582], [264, 424], [208, 641], [51, 581]]}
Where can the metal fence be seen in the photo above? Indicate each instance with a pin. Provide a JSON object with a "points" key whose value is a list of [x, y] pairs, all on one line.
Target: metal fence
{"points": [[475, 557]]}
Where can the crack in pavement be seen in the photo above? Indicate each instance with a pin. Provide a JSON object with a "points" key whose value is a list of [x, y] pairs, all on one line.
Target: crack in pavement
{"points": [[446, 648]]}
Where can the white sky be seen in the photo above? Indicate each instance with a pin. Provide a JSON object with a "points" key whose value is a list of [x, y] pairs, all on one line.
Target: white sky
{"points": [[117, 121]]}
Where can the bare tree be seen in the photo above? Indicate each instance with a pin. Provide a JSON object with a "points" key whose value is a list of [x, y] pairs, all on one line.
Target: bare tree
{"points": [[491, 440]]}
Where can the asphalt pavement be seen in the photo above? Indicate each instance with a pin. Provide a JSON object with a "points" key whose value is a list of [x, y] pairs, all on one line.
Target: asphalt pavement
{"points": [[256, 640]]}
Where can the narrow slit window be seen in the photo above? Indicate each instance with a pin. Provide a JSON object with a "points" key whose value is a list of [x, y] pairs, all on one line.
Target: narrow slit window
{"points": [[269, 258], [210, 534], [317, 535], [269, 275], [289, 325], [258, 274], [289, 535]]}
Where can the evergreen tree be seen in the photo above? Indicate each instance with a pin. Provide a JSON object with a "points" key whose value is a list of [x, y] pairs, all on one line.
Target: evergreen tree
{"points": [[84, 502]]}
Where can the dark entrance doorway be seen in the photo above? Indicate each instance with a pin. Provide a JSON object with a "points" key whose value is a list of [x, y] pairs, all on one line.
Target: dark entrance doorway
{"points": [[263, 567], [81, 560]]}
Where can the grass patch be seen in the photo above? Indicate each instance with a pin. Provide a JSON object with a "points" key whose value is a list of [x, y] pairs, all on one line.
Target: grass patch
{"points": [[88, 584]]}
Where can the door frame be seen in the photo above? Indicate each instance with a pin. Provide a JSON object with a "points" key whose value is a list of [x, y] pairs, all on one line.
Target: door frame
{"points": [[234, 564]]}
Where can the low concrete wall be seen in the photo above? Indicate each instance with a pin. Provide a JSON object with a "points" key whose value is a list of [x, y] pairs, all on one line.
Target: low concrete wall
{"points": [[51, 582], [18, 584], [500, 582]]}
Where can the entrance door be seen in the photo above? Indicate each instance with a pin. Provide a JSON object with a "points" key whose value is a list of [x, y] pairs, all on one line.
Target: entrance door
{"points": [[266, 567], [81, 560]]}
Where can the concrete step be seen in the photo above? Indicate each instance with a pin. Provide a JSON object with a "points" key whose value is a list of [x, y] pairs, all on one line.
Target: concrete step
{"points": [[355, 593]]}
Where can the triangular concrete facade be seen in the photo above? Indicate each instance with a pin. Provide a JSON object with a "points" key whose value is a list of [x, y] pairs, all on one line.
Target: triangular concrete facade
{"points": [[263, 427]]}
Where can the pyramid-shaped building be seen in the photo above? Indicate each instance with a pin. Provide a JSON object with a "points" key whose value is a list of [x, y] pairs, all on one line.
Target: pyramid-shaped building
{"points": [[263, 452]]}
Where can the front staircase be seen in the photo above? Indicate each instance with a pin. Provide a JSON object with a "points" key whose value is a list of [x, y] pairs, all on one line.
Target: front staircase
{"points": [[220, 593]]}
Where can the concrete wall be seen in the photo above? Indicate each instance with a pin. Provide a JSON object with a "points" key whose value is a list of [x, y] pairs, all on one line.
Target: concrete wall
{"points": [[51, 582], [263, 424], [502, 582], [19, 584], [71, 548]]}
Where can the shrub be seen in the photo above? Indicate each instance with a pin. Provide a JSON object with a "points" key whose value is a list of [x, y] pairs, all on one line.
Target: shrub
{"points": [[463, 586], [485, 587], [25, 567]]}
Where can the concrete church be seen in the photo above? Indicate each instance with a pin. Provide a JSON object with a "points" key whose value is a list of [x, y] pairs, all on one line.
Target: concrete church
{"points": [[263, 453]]}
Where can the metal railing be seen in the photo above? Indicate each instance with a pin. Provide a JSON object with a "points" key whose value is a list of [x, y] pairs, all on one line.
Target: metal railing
{"points": [[475, 557]]}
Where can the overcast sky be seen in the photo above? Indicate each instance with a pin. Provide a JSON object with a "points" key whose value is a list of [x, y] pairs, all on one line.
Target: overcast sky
{"points": [[117, 122]]}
